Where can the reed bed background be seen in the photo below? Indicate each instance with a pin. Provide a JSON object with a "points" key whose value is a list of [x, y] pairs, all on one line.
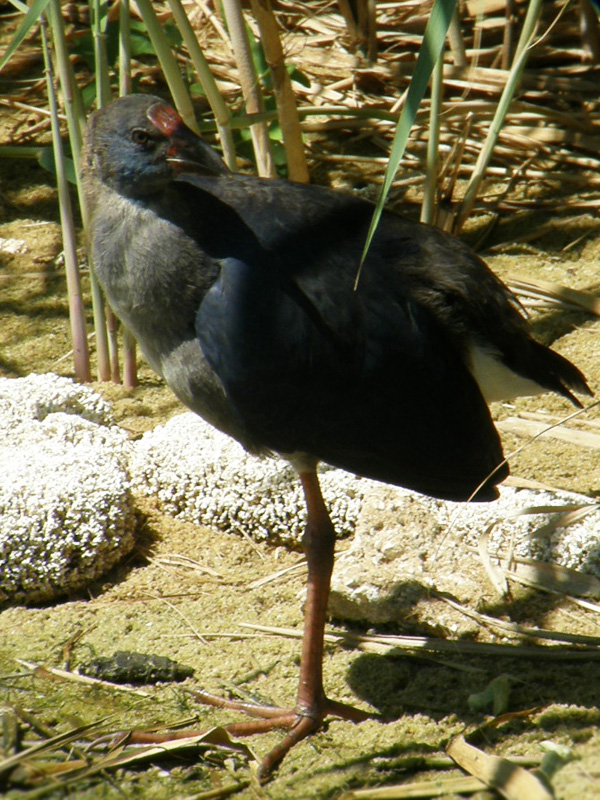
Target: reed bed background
{"points": [[498, 113]]}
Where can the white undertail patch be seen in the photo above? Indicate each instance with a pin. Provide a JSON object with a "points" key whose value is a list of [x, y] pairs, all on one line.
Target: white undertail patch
{"points": [[495, 380]]}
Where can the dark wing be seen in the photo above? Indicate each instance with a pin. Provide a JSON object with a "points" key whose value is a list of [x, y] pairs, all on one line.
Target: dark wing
{"points": [[309, 226], [364, 381]]}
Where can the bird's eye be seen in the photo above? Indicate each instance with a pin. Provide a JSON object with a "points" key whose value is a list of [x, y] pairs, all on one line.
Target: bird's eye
{"points": [[140, 136]]}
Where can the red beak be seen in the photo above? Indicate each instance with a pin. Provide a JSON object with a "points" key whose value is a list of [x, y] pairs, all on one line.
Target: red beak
{"points": [[187, 152]]}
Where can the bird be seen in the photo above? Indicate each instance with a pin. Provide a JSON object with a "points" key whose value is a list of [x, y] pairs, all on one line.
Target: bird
{"points": [[241, 294]]}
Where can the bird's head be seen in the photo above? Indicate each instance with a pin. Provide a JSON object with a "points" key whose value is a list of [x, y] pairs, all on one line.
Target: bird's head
{"points": [[139, 143]]}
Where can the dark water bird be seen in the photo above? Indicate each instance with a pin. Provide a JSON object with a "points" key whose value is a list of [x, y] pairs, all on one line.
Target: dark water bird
{"points": [[240, 293]]}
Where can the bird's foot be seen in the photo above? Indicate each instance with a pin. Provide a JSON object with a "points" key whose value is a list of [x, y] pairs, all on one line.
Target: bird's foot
{"points": [[299, 723]]}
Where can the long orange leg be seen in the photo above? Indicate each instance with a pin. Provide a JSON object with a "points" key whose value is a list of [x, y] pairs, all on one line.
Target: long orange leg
{"points": [[312, 705]]}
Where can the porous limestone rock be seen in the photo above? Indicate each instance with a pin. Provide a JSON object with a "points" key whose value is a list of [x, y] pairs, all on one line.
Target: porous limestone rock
{"points": [[407, 545], [200, 474], [66, 508]]}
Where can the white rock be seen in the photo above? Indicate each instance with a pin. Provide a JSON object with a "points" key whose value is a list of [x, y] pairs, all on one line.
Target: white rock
{"points": [[406, 543], [13, 246], [66, 508], [200, 474]]}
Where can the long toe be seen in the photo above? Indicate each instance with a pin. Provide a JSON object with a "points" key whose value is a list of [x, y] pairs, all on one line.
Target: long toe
{"points": [[298, 723], [304, 726]]}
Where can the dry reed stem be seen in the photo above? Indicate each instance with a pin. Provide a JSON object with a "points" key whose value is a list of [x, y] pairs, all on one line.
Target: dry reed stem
{"points": [[419, 645]]}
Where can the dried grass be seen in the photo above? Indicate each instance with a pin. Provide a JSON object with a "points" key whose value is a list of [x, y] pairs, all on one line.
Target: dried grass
{"points": [[551, 134]]}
